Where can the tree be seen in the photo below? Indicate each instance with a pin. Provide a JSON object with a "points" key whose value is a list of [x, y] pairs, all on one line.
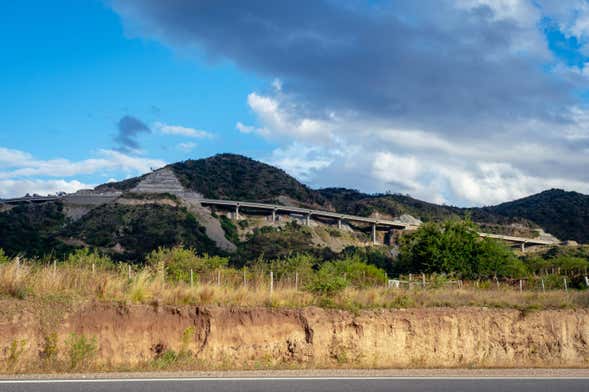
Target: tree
{"points": [[454, 247]]}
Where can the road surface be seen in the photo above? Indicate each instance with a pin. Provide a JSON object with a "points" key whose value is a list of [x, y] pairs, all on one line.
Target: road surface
{"points": [[323, 384]]}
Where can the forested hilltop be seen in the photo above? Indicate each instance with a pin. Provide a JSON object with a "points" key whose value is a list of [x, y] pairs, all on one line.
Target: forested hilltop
{"points": [[133, 224]]}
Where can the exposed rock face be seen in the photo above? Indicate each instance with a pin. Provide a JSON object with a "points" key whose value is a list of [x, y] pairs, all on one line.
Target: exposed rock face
{"points": [[244, 337], [81, 202], [410, 220], [160, 181]]}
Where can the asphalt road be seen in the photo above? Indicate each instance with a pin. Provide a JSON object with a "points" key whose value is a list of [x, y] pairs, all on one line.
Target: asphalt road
{"points": [[326, 384]]}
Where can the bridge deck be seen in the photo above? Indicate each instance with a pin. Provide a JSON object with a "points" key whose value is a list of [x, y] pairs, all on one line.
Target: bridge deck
{"points": [[525, 240], [307, 211]]}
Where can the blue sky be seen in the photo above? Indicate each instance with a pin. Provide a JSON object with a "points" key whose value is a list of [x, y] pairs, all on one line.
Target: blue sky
{"points": [[69, 73], [468, 103]]}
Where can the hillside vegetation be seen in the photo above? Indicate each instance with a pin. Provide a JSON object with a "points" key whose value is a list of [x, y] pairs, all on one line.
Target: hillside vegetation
{"points": [[141, 222], [235, 177], [564, 214]]}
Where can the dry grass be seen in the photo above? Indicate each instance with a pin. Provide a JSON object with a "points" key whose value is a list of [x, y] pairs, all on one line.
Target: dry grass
{"points": [[22, 280]]}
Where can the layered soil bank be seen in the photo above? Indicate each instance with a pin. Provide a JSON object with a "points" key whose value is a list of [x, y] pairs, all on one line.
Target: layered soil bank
{"points": [[241, 338]]}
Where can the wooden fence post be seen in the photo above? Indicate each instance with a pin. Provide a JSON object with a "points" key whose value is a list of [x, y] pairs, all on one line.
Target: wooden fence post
{"points": [[423, 279], [565, 284], [543, 288], [521, 286], [244, 279], [129, 273], [296, 281], [271, 282], [219, 278], [191, 278]]}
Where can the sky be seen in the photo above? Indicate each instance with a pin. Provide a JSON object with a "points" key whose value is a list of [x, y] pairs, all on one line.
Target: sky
{"points": [[463, 102]]}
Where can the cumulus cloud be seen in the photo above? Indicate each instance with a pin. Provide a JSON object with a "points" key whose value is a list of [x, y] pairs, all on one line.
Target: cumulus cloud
{"points": [[21, 172], [300, 160], [458, 101], [181, 131], [15, 188], [129, 128]]}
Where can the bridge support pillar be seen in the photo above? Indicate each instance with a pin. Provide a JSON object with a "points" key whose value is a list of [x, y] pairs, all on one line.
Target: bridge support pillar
{"points": [[308, 220], [523, 247], [374, 233], [339, 224], [237, 212], [273, 216]]}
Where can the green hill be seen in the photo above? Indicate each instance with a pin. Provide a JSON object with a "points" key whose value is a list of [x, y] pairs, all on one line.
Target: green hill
{"points": [[564, 214], [230, 176], [137, 223]]}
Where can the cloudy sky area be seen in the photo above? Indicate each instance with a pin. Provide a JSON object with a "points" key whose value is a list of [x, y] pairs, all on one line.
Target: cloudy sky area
{"points": [[466, 102]]}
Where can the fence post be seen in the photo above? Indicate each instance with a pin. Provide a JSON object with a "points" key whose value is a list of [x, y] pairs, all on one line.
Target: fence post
{"points": [[54, 268], [543, 288], [191, 278], [271, 282], [129, 274], [565, 284], [244, 279], [521, 286], [423, 279], [296, 281], [93, 268], [587, 281], [219, 278]]}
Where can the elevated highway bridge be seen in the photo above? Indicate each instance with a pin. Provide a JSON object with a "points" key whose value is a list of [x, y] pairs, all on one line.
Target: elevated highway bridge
{"points": [[307, 213]]}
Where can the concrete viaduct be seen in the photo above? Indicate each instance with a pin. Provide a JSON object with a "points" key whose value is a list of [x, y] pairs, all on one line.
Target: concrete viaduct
{"points": [[308, 213]]}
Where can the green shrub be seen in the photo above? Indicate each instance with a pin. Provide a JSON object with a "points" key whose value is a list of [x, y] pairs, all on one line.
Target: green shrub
{"points": [[3, 258], [230, 229], [48, 352], [178, 262], [86, 258], [327, 281], [454, 247], [81, 351], [15, 351]]}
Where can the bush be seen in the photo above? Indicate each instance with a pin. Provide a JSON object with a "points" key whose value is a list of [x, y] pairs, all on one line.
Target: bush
{"points": [[230, 229], [334, 276], [3, 258], [86, 258], [454, 247], [327, 281], [291, 265], [177, 262], [81, 351]]}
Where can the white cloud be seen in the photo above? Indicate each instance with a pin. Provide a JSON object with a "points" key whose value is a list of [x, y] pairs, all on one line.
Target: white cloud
{"points": [[300, 160], [280, 120], [22, 173], [109, 160], [464, 170], [181, 131], [244, 128], [16, 188], [187, 147]]}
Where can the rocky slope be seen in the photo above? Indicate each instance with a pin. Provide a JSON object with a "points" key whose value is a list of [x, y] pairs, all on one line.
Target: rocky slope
{"points": [[161, 208], [130, 336]]}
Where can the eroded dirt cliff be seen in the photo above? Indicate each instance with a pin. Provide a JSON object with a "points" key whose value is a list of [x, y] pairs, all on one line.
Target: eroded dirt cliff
{"points": [[215, 337]]}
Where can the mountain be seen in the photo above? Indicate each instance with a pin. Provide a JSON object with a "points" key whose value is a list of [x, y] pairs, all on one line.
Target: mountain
{"points": [[235, 177], [564, 214], [130, 218]]}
